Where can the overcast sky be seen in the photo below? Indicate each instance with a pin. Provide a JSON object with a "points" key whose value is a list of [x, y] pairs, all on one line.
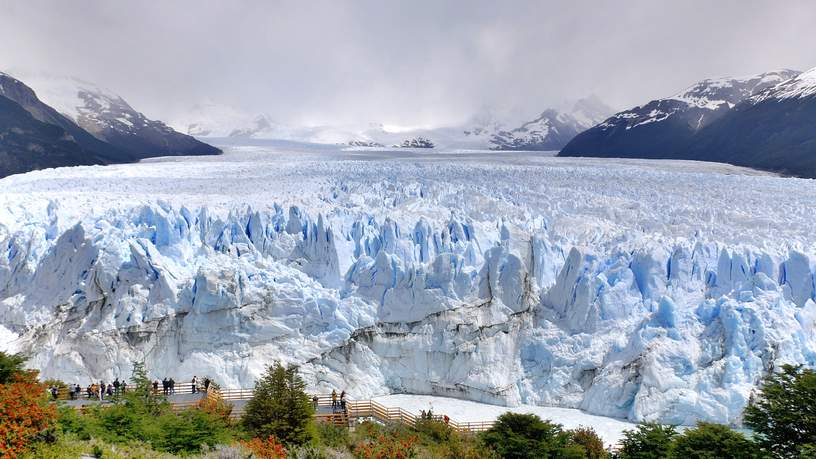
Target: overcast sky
{"points": [[408, 63]]}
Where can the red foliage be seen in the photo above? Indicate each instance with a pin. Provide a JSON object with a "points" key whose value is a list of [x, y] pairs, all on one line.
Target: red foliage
{"points": [[269, 448], [216, 407], [24, 413], [387, 447]]}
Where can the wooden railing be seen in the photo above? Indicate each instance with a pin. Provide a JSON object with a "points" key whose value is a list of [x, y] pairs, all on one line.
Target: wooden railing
{"points": [[355, 409], [64, 393]]}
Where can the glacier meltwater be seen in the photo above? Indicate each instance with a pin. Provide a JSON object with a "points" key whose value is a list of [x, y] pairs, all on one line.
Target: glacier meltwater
{"points": [[635, 289]]}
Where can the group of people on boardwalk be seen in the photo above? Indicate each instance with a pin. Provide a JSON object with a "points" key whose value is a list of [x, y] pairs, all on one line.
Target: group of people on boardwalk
{"points": [[103, 391], [99, 391], [169, 386], [338, 404]]}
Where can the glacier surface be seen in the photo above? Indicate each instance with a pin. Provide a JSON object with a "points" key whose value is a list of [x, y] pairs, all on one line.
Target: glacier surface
{"points": [[646, 290]]}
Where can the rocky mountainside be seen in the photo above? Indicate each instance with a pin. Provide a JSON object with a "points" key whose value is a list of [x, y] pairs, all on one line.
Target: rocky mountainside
{"points": [[552, 129], [666, 128], [110, 118], [97, 150], [773, 130], [27, 143]]}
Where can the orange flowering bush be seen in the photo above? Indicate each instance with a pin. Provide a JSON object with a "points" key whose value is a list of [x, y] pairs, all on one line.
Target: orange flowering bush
{"points": [[25, 413], [216, 407], [268, 448], [391, 446]]}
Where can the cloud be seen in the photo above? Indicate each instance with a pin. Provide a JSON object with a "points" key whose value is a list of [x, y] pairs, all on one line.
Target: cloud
{"points": [[412, 63]]}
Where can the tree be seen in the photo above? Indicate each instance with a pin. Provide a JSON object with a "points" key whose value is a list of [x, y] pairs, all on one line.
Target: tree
{"points": [[280, 407], [25, 414], [647, 441], [518, 436], [713, 441], [589, 440], [784, 413], [10, 365]]}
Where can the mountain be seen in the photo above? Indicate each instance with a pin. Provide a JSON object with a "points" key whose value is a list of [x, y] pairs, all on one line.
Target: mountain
{"points": [[552, 129], [110, 118], [487, 128], [27, 143], [665, 128], [773, 130], [97, 150]]}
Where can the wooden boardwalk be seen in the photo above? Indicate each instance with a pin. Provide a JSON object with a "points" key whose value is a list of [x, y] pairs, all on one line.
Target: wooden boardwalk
{"points": [[356, 410]]}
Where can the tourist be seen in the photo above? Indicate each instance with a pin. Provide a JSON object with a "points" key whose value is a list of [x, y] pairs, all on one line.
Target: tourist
{"points": [[315, 401], [343, 401], [334, 399], [156, 387], [116, 386], [109, 391], [194, 384], [165, 386], [172, 386], [89, 392], [206, 384], [123, 386]]}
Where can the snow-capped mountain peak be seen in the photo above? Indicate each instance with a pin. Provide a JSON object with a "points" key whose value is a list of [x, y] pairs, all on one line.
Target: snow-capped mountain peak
{"points": [[800, 86], [552, 129], [110, 118], [699, 104], [712, 94]]}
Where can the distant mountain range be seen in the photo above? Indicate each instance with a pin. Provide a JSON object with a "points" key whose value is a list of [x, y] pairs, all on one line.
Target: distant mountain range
{"points": [[552, 130], [764, 121], [485, 130], [68, 122]]}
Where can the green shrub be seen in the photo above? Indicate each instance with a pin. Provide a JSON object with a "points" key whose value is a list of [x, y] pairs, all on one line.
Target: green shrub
{"points": [[784, 414], [71, 422], [647, 441], [518, 436], [713, 441], [188, 432], [10, 364], [433, 431], [332, 435]]}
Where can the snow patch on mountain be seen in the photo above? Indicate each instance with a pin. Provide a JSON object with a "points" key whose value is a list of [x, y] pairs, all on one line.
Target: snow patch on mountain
{"points": [[798, 87], [699, 104]]}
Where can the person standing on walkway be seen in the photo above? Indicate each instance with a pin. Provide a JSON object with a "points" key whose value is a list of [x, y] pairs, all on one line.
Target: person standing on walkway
{"points": [[172, 386], [116, 386], [334, 399], [165, 386], [206, 384], [343, 401], [156, 387], [194, 384]]}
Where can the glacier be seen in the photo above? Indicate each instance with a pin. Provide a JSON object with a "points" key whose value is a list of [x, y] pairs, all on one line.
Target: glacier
{"points": [[645, 290]]}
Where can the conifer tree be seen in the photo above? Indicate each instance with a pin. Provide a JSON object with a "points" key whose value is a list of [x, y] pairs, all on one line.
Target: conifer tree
{"points": [[280, 407]]}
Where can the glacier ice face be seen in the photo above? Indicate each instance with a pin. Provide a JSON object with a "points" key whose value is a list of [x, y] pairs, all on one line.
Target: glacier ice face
{"points": [[586, 284]]}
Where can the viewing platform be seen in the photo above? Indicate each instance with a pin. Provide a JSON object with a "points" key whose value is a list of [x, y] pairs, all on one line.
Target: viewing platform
{"points": [[356, 411]]}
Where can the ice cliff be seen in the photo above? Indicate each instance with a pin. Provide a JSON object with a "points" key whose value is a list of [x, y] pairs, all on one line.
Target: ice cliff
{"points": [[674, 331]]}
